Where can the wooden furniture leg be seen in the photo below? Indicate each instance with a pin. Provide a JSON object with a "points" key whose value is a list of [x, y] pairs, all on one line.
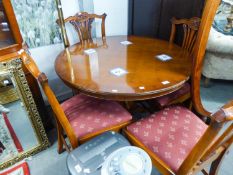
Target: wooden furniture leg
{"points": [[215, 166], [206, 82], [60, 148], [67, 148], [129, 104]]}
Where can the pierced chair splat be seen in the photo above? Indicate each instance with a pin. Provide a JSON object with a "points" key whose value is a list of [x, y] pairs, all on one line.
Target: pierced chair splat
{"points": [[80, 117], [82, 23], [190, 29]]}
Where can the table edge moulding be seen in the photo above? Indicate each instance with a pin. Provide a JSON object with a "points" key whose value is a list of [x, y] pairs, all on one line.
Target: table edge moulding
{"points": [[91, 73]]}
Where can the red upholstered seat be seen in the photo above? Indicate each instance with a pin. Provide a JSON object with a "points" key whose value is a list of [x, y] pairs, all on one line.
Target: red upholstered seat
{"points": [[165, 100], [87, 115], [170, 133]]}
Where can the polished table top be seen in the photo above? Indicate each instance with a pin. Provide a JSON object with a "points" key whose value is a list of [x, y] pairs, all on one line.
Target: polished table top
{"points": [[143, 75]]}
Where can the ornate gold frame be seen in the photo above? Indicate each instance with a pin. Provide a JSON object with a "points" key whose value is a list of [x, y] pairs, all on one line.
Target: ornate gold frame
{"points": [[15, 68]]}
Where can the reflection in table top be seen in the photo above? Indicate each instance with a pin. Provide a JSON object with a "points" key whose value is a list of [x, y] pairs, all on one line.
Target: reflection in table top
{"points": [[146, 76]]}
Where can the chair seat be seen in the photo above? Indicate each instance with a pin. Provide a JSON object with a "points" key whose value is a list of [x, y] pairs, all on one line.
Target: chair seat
{"points": [[170, 133], [88, 115], [165, 100]]}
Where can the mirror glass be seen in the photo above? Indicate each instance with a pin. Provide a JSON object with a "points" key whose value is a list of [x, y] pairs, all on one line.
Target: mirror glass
{"points": [[6, 37], [18, 134], [217, 71]]}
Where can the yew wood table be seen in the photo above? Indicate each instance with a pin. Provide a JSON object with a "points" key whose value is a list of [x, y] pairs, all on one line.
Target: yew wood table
{"points": [[124, 72]]}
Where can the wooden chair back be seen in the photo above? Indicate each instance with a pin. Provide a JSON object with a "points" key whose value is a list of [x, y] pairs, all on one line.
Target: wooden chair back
{"points": [[198, 53], [213, 145], [60, 116], [82, 23], [215, 142], [190, 29]]}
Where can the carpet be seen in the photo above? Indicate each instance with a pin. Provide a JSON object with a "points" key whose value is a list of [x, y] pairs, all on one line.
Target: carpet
{"points": [[8, 139], [18, 169]]}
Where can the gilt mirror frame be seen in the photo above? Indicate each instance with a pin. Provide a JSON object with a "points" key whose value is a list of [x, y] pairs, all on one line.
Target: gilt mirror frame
{"points": [[13, 25], [14, 68]]}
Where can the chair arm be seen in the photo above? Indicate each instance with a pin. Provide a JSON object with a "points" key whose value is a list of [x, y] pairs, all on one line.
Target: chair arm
{"points": [[224, 114]]}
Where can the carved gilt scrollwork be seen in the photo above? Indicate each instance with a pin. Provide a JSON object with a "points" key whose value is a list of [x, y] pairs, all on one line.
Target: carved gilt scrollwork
{"points": [[15, 68]]}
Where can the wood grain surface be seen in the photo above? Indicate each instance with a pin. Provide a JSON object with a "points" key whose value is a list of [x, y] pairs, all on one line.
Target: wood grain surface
{"points": [[146, 77]]}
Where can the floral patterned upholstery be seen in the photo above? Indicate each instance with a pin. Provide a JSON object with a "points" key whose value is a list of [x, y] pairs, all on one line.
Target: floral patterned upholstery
{"points": [[87, 115], [165, 100], [170, 133], [218, 62]]}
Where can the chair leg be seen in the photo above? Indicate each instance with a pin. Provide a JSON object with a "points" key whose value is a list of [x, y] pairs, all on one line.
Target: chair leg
{"points": [[215, 166], [190, 105], [206, 82], [204, 172], [129, 104], [67, 148], [60, 138], [150, 107], [75, 92]]}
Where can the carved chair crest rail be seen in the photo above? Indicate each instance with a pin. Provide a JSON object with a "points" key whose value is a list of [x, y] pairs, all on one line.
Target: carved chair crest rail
{"points": [[82, 22]]}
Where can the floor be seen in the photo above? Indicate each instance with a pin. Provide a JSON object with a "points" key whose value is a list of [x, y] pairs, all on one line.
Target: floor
{"points": [[49, 162]]}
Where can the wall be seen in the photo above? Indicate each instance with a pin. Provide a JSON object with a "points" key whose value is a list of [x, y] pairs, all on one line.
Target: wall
{"points": [[149, 11], [152, 18], [117, 15], [116, 24], [179, 9]]}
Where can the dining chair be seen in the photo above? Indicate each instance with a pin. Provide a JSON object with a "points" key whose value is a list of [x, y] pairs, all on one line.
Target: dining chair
{"points": [[190, 30], [81, 117], [184, 142], [179, 142], [82, 22]]}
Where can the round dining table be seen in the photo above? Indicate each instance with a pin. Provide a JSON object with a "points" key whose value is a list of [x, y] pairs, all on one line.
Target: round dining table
{"points": [[125, 68]]}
